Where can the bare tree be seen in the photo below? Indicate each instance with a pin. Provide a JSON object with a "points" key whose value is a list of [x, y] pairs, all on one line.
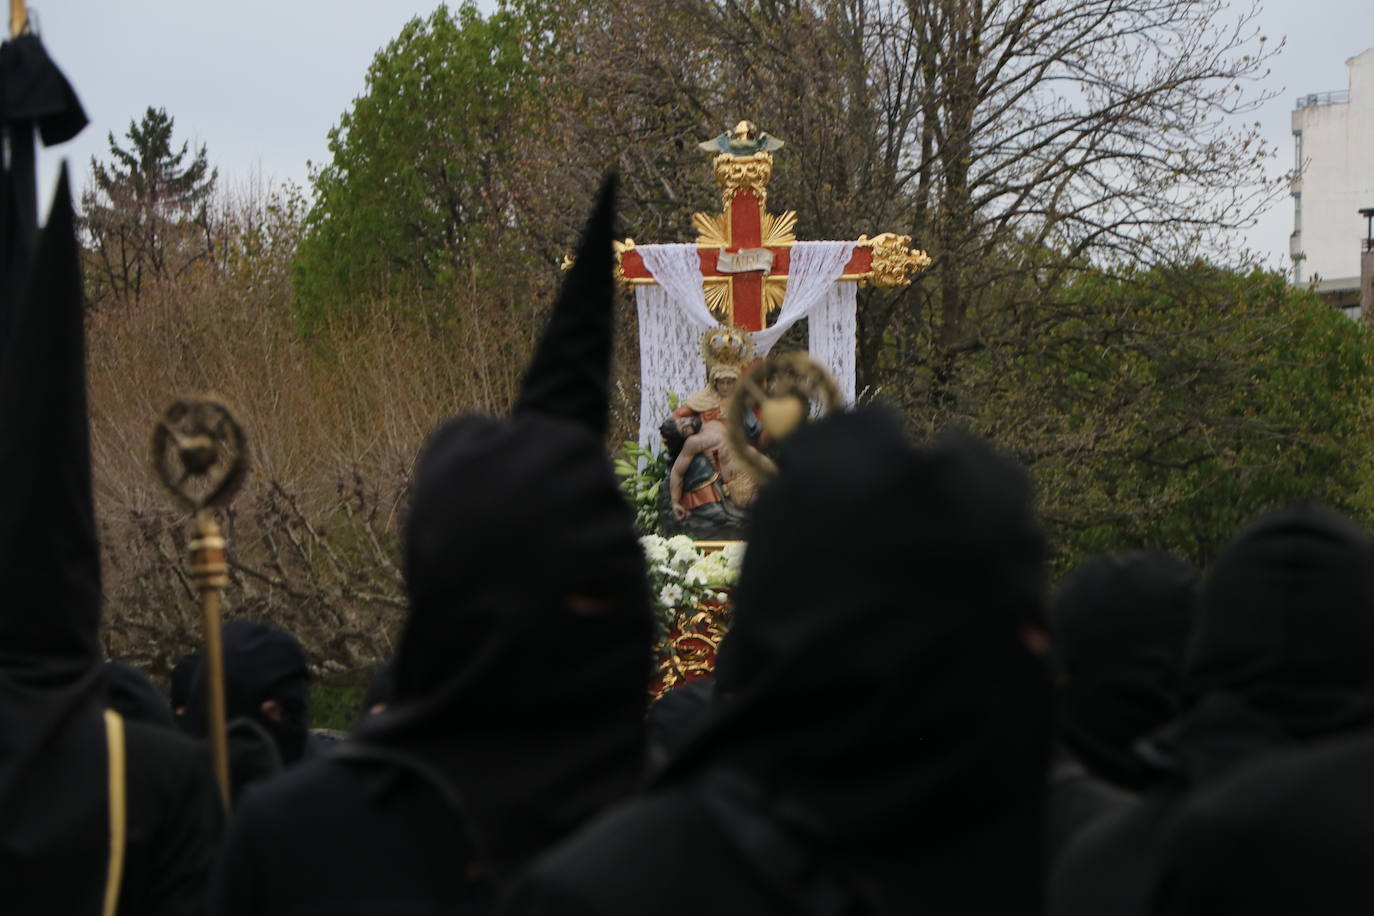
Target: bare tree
{"points": [[1017, 140]]}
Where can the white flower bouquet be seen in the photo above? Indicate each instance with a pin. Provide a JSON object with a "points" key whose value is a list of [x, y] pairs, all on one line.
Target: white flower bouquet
{"points": [[684, 576]]}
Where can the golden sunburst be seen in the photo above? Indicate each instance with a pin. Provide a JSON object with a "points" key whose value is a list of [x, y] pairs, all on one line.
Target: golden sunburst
{"points": [[718, 297], [712, 230], [779, 229]]}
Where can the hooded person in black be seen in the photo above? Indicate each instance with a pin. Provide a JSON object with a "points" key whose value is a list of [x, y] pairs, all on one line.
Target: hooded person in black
{"points": [[883, 731], [67, 818], [133, 695], [1120, 626], [1283, 654], [266, 701], [1288, 834], [522, 674]]}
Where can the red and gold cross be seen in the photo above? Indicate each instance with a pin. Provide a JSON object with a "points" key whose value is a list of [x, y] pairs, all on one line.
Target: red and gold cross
{"points": [[745, 250]]}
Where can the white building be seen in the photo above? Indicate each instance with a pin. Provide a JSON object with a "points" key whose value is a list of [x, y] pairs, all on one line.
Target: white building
{"points": [[1333, 135]]}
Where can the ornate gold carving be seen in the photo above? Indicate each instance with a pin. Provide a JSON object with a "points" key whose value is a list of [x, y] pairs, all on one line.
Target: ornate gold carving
{"points": [[690, 651], [619, 248], [895, 262], [738, 173]]}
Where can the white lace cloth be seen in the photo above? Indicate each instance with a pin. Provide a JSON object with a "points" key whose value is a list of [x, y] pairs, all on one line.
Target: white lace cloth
{"points": [[673, 317]]}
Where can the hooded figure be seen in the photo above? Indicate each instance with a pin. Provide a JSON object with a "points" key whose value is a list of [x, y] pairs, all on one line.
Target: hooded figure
{"points": [[1120, 626], [134, 696], [522, 673], [881, 740], [1283, 654], [54, 798], [266, 700], [1290, 833], [81, 791]]}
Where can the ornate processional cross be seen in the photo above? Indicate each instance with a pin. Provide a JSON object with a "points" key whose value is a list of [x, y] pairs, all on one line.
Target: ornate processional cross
{"points": [[745, 250]]}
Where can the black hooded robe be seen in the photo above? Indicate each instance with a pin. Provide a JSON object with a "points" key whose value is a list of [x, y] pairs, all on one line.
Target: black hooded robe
{"points": [[1284, 654], [1120, 626], [1289, 834], [63, 812], [882, 738], [523, 670]]}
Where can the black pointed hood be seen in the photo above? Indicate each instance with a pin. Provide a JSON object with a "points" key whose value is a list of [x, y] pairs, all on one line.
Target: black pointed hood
{"points": [[50, 578], [569, 376], [53, 785]]}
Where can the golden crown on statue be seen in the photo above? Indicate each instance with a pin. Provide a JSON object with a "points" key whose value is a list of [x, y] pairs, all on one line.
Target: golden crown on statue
{"points": [[727, 346]]}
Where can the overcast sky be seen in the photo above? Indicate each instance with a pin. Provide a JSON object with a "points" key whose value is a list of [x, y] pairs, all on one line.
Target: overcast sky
{"points": [[260, 82]]}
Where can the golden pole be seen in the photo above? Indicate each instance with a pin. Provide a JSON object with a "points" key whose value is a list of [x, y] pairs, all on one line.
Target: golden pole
{"points": [[201, 455], [19, 17], [210, 573]]}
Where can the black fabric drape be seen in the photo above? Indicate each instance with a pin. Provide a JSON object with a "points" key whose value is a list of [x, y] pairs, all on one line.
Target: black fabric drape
{"points": [[34, 95]]}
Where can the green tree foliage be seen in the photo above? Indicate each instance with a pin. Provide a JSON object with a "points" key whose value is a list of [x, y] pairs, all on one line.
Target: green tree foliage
{"points": [[146, 215], [414, 203], [1166, 407]]}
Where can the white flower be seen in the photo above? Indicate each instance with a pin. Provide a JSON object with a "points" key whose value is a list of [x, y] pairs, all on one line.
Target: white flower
{"points": [[704, 572], [670, 595], [686, 556], [655, 549], [679, 541]]}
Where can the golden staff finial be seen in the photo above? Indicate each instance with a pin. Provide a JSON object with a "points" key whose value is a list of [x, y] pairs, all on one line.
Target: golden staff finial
{"points": [[19, 17], [781, 390], [201, 455]]}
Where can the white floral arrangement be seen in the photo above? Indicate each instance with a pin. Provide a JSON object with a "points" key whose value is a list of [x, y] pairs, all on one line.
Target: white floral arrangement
{"points": [[684, 576]]}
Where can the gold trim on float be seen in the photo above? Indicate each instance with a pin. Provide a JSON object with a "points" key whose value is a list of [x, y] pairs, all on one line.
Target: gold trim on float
{"points": [[894, 262], [738, 173], [114, 877]]}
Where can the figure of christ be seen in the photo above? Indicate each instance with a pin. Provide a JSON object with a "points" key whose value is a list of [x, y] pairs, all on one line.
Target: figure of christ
{"points": [[707, 481]]}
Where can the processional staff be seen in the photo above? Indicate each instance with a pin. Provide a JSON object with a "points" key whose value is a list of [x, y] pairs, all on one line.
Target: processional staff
{"points": [[19, 17], [200, 453]]}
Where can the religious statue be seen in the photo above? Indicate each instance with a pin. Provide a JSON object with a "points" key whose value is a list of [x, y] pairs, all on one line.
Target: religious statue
{"points": [[748, 270], [710, 490]]}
